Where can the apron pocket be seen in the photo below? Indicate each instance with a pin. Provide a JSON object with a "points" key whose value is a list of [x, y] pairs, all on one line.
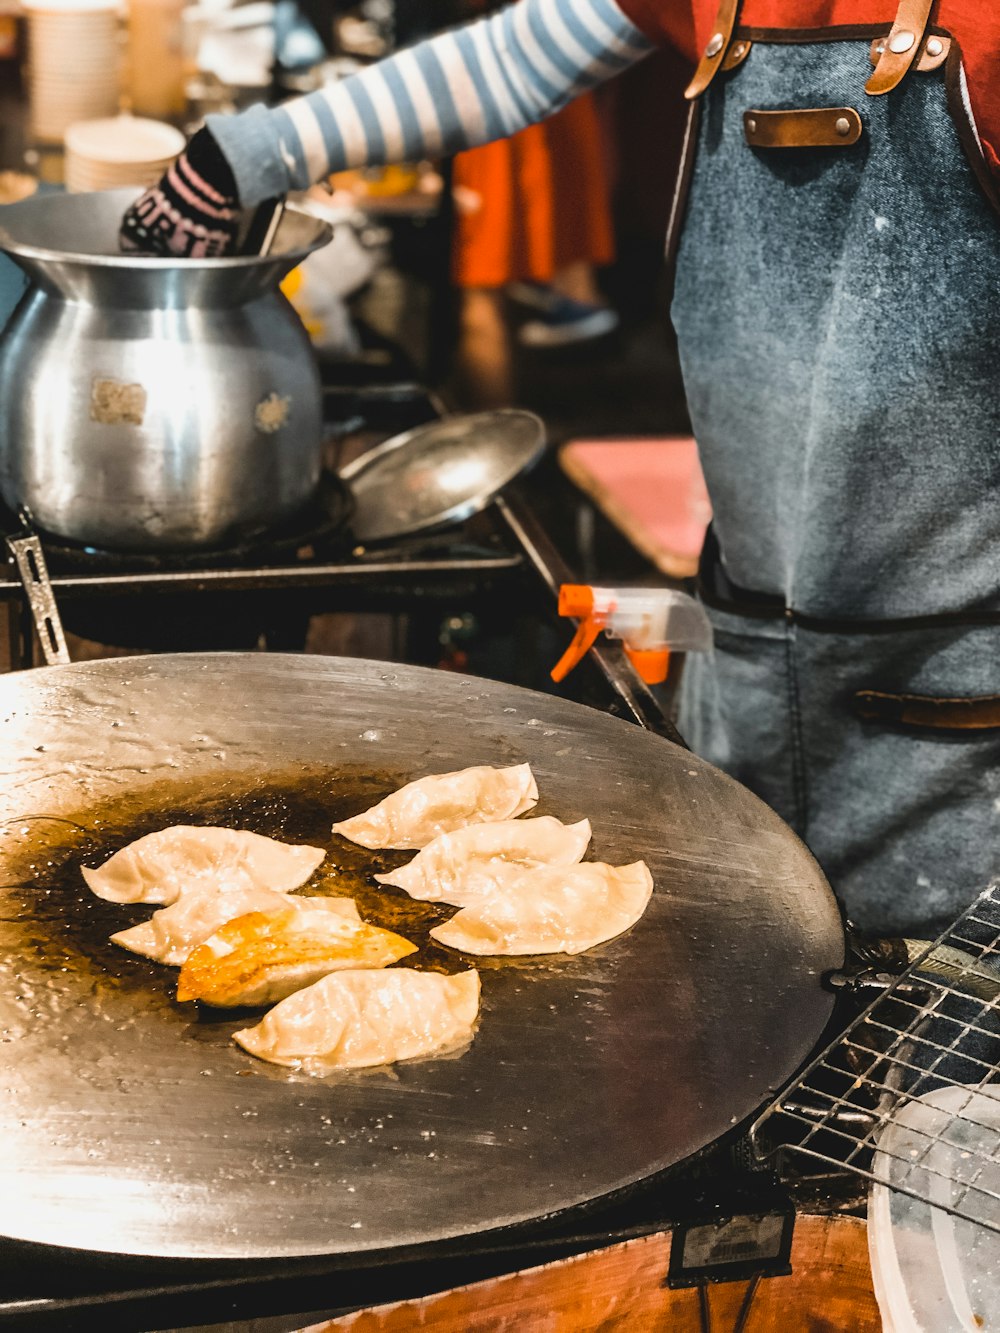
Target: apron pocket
{"points": [[900, 735]]}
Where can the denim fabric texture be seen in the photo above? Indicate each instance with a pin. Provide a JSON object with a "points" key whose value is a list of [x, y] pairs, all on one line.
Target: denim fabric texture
{"points": [[905, 824], [837, 311]]}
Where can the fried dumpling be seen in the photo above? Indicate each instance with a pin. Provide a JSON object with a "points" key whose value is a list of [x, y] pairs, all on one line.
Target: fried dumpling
{"points": [[440, 803], [161, 866], [351, 1020], [458, 868], [551, 909], [261, 958], [173, 933]]}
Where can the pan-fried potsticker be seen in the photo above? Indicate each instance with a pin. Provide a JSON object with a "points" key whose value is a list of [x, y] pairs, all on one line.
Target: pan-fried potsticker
{"points": [[462, 867], [551, 909], [351, 1020], [262, 958], [161, 866], [441, 803], [172, 934]]}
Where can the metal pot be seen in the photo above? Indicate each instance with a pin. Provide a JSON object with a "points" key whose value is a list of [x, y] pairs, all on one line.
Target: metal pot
{"points": [[151, 404]]}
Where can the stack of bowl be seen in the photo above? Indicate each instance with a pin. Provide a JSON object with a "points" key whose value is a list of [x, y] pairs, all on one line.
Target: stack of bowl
{"points": [[74, 58], [124, 150]]}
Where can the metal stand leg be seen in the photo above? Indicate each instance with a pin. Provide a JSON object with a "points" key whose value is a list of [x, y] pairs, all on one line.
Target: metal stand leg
{"points": [[41, 612], [20, 636]]}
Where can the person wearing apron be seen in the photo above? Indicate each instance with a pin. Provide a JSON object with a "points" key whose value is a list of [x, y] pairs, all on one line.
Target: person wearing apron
{"points": [[836, 304]]}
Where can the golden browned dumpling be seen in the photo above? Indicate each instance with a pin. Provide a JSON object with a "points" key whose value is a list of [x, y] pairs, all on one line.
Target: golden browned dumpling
{"points": [[350, 1020], [262, 958], [173, 933], [440, 803]]}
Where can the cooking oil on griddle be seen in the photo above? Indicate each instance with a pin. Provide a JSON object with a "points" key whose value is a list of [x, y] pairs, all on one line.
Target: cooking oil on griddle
{"points": [[56, 916]]}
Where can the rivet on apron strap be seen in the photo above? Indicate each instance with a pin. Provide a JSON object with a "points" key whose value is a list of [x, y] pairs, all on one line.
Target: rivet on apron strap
{"points": [[934, 53], [715, 49], [737, 53], [901, 46]]}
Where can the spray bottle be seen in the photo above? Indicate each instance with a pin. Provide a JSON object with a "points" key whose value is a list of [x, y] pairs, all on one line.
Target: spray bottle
{"points": [[651, 623]]}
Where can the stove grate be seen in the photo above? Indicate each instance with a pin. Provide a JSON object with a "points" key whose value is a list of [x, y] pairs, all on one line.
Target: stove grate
{"points": [[934, 1026]]}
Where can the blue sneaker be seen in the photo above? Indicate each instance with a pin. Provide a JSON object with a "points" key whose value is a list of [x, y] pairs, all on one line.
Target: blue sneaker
{"points": [[537, 297], [566, 322]]}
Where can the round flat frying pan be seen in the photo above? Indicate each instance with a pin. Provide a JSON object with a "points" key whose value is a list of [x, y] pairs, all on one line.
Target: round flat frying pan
{"points": [[132, 1124]]}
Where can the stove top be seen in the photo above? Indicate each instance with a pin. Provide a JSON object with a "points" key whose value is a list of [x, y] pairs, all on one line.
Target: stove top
{"points": [[323, 524]]}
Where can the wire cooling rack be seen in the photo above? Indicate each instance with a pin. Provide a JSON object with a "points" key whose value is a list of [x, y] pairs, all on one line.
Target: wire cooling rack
{"points": [[935, 1026]]}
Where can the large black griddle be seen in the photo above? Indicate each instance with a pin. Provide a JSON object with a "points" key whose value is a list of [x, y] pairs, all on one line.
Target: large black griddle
{"points": [[128, 1125]]}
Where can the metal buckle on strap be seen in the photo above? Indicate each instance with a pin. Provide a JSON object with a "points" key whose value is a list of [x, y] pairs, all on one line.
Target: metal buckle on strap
{"points": [[901, 46], [715, 49]]}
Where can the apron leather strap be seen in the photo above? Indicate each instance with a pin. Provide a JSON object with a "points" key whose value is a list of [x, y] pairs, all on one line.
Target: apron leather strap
{"points": [[921, 712], [901, 47], [715, 51]]}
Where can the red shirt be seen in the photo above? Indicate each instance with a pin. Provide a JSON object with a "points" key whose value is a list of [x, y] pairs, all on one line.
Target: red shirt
{"points": [[973, 24]]}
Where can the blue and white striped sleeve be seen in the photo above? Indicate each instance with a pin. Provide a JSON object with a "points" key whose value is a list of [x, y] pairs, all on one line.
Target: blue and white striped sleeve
{"points": [[466, 87]]}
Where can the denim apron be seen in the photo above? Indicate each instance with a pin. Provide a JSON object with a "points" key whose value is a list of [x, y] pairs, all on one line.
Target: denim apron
{"points": [[838, 312]]}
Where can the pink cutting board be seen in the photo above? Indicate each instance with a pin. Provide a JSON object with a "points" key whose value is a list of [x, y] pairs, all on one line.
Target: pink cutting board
{"points": [[653, 491]]}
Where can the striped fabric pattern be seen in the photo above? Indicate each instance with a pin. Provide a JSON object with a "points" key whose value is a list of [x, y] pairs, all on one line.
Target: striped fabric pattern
{"points": [[467, 87]]}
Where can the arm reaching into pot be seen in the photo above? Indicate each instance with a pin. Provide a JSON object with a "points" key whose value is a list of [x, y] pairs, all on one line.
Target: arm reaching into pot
{"points": [[466, 87]]}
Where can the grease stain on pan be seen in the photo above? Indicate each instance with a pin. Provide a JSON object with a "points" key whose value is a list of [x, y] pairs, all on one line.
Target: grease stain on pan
{"points": [[46, 908]]}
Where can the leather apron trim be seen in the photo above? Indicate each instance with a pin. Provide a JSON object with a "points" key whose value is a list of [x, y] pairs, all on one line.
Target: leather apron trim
{"points": [[682, 184], [961, 115], [717, 591], [901, 46], [933, 53], [715, 50], [762, 606], [736, 54], [845, 32], [920, 712], [806, 127]]}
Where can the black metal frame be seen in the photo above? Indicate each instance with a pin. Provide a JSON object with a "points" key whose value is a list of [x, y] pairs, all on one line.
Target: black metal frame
{"points": [[391, 576], [933, 1026]]}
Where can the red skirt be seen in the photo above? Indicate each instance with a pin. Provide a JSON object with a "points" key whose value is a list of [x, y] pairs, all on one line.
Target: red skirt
{"points": [[532, 204]]}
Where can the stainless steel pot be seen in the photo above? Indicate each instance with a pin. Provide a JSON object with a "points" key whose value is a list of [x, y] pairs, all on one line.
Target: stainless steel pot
{"points": [[150, 404]]}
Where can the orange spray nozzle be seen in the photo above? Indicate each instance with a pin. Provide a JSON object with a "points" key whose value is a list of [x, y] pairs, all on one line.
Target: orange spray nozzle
{"points": [[576, 600], [649, 621]]}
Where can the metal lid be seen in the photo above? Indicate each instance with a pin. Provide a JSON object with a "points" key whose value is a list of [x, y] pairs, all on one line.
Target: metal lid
{"points": [[441, 473]]}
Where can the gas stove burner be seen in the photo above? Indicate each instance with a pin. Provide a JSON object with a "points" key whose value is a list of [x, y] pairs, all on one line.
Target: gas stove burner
{"points": [[323, 523]]}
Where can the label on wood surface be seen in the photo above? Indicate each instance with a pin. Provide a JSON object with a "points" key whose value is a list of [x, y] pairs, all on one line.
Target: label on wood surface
{"points": [[731, 1250]]}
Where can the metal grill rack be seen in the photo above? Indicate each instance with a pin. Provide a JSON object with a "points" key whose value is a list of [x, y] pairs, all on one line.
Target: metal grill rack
{"points": [[933, 1028]]}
